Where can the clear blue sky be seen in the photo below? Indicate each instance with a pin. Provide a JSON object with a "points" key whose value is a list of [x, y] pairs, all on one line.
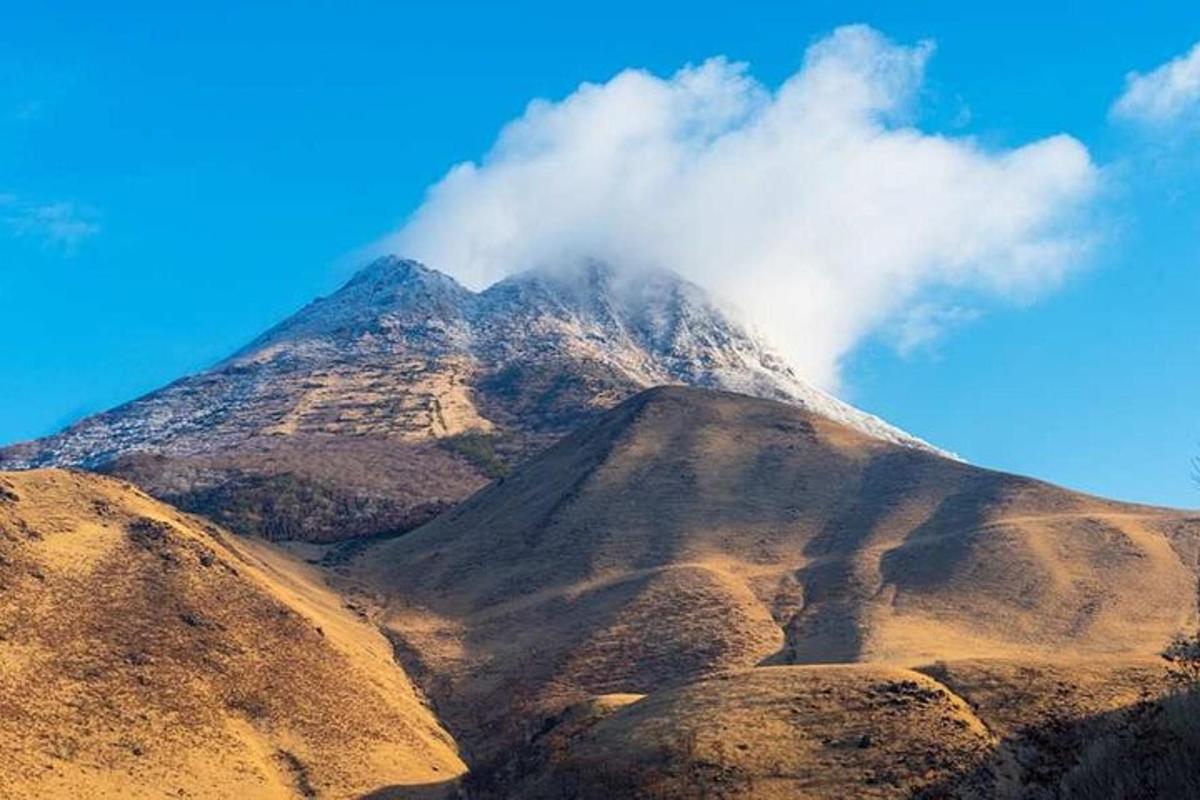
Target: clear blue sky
{"points": [[174, 180]]}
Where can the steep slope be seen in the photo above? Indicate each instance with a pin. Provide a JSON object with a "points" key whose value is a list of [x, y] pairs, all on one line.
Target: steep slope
{"points": [[146, 654], [374, 409], [690, 531]]}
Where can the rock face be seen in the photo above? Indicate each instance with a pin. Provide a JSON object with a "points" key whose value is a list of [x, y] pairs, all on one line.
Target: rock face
{"points": [[373, 409]]}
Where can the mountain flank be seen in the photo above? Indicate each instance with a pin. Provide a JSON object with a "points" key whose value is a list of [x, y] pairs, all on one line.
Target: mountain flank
{"points": [[696, 594], [145, 653], [374, 409], [688, 532]]}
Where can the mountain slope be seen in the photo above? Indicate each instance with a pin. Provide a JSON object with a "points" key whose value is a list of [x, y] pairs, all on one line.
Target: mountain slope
{"points": [[689, 531], [778, 732], [969, 730], [373, 409], [146, 654]]}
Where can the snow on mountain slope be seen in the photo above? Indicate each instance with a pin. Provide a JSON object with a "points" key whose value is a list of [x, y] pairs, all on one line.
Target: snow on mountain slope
{"points": [[407, 364]]}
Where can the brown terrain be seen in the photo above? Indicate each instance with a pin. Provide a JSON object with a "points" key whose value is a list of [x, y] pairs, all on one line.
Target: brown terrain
{"points": [[146, 654], [689, 533], [318, 487], [696, 595], [971, 729]]}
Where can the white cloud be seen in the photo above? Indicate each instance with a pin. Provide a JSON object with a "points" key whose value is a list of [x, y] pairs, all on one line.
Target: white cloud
{"points": [[816, 207], [924, 322], [61, 225], [1163, 95]]}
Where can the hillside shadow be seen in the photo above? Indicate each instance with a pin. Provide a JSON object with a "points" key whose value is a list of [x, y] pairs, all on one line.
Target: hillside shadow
{"points": [[1148, 749], [932, 552], [441, 790], [827, 628]]}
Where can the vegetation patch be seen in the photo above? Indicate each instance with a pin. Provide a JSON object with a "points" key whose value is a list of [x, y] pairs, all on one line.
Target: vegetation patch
{"points": [[1151, 753], [293, 506], [479, 449]]}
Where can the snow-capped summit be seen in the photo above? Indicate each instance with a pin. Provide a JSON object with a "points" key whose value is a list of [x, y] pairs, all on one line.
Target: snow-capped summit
{"points": [[424, 388], [656, 328], [388, 296]]}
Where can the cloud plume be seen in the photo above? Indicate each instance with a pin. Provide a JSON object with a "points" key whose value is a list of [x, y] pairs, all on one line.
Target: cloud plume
{"points": [[1163, 95], [816, 208]]}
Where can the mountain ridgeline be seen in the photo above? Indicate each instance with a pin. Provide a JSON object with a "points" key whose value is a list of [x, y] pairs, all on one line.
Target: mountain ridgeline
{"points": [[374, 409]]}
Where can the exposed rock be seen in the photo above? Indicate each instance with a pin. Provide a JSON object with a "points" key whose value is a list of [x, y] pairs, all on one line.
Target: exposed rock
{"points": [[373, 409]]}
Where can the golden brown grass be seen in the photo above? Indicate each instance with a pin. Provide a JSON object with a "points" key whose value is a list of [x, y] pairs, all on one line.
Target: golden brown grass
{"points": [[314, 487], [688, 532], [699, 595], [972, 730], [1152, 752], [147, 654], [773, 732]]}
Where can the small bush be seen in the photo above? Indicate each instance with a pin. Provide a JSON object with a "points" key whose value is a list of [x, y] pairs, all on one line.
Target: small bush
{"points": [[1183, 655]]}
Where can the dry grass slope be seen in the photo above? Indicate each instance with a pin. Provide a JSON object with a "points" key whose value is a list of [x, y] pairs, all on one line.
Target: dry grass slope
{"points": [[311, 487], [688, 532], [144, 653], [775, 732], [971, 730], [697, 595]]}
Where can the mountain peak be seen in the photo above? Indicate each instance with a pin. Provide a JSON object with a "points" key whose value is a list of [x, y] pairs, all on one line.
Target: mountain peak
{"points": [[396, 282], [392, 271], [388, 295], [399, 363], [620, 301], [592, 277]]}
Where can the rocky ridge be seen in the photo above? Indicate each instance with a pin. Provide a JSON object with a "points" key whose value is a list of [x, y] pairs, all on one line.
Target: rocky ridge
{"points": [[404, 370]]}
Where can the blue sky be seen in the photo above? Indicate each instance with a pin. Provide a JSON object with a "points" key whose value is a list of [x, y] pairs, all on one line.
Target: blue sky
{"points": [[173, 181]]}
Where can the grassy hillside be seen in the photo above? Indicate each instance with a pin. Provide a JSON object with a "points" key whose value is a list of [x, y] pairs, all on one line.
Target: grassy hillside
{"points": [[147, 654], [688, 532], [982, 729]]}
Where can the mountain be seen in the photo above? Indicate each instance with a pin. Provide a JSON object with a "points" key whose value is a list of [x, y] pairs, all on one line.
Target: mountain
{"points": [[690, 532], [145, 654], [374, 409], [696, 594]]}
